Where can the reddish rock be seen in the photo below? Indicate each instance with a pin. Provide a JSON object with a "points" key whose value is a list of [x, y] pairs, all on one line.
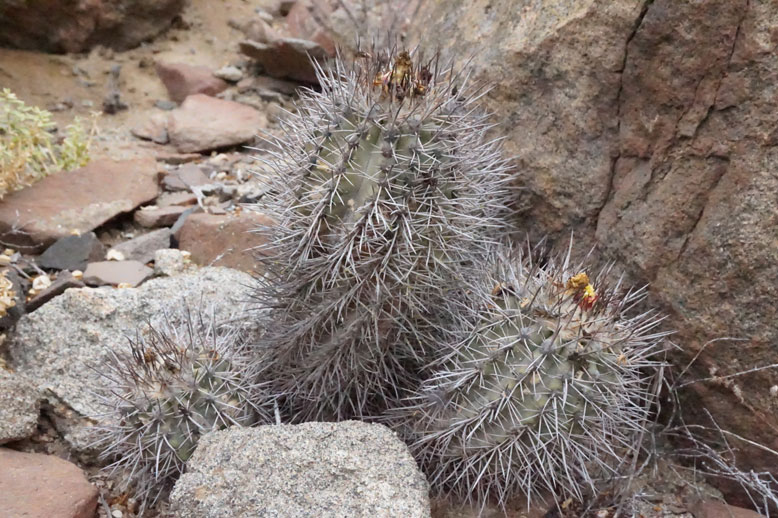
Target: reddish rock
{"points": [[714, 509], [301, 23], [116, 272], [184, 178], [80, 200], [227, 240], [158, 217], [259, 30], [166, 199], [56, 26], [154, 129], [183, 80], [286, 57], [64, 281], [203, 123], [43, 486]]}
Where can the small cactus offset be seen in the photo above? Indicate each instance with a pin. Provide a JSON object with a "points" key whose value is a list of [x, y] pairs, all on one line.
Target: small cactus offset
{"points": [[177, 382], [386, 190], [549, 390]]}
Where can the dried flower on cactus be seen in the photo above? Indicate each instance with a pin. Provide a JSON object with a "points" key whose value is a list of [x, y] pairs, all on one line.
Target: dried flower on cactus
{"points": [[387, 189]]}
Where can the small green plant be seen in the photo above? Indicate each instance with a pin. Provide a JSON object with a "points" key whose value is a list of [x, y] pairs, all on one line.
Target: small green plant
{"points": [[181, 378], [549, 388], [28, 149]]}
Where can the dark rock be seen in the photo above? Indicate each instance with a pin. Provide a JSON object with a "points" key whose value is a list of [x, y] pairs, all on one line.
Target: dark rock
{"points": [[183, 80], [158, 216], [56, 26], [63, 281], [81, 200], [142, 248], [72, 252], [286, 57], [203, 123], [14, 312], [116, 272], [44, 486]]}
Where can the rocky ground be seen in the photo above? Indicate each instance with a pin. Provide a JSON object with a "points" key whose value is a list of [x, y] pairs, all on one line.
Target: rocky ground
{"points": [[158, 216]]}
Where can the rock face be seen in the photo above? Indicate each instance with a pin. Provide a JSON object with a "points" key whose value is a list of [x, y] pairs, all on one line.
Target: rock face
{"points": [[77, 26], [203, 123], [43, 486], [57, 344], [649, 128], [72, 252], [19, 406], [223, 240], [79, 200], [326, 470]]}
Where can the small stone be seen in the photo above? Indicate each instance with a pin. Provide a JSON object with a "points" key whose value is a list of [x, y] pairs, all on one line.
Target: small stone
{"points": [[224, 240], [170, 261], [44, 486], [228, 124], [183, 198], [286, 57], [116, 513], [184, 178], [165, 105], [19, 407], [65, 280], [158, 217], [116, 272], [114, 255], [41, 282], [72, 252], [326, 470], [229, 73], [154, 129], [183, 80], [143, 247]]}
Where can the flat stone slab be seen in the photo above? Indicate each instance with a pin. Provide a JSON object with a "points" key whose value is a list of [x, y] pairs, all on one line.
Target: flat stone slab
{"points": [[316, 470], [116, 272], [143, 247], [182, 80], [19, 407], [203, 123], [43, 486], [81, 200], [72, 252]]}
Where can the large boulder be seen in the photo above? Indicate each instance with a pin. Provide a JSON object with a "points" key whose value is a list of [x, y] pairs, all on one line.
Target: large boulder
{"points": [[326, 470], [648, 127], [79, 25], [61, 345]]}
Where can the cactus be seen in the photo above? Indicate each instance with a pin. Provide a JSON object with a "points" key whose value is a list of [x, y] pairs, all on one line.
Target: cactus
{"points": [[385, 191], [549, 388], [177, 382]]}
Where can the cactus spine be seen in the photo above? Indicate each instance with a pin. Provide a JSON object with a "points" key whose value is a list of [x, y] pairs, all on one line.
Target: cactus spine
{"points": [[549, 389], [386, 190], [180, 379]]}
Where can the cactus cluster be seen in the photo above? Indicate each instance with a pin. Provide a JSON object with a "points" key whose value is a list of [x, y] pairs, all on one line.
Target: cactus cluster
{"points": [[181, 377], [385, 295], [549, 388], [386, 191]]}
